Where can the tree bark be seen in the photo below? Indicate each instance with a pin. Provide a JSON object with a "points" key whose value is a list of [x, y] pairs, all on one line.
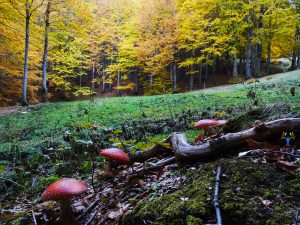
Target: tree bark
{"points": [[103, 75], [235, 67], [200, 75], [269, 58], [248, 54], [25, 73], [174, 76], [45, 54], [92, 78], [258, 59], [191, 83], [294, 57], [118, 82]]}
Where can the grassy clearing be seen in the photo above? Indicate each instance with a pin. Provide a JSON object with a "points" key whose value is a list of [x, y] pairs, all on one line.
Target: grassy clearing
{"points": [[47, 121]]}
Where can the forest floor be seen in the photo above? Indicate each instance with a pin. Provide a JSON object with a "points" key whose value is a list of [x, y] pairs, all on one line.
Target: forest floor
{"points": [[41, 144]]}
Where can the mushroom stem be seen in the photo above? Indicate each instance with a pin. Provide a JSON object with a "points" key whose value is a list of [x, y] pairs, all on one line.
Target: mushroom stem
{"points": [[67, 215]]}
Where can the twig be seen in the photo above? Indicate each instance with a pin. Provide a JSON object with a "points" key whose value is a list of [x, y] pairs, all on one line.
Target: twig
{"points": [[88, 209], [33, 216], [93, 216], [216, 197]]}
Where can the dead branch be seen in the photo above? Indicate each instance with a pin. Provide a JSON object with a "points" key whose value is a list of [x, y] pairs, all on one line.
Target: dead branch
{"points": [[216, 197], [185, 152]]}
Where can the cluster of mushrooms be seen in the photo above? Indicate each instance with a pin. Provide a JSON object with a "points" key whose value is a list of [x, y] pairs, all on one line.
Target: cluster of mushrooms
{"points": [[62, 191]]}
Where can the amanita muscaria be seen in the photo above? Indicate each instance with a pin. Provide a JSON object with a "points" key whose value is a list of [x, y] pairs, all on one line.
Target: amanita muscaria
{"points": [[206, 124], [62, 191], [116, 154]]}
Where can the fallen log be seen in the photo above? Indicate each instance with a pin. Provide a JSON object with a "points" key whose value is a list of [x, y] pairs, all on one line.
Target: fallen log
{"points": [[186, 152]]}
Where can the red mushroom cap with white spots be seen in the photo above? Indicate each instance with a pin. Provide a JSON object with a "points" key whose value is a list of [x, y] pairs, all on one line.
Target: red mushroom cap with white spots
{"points": [[115, 154], [206, 123], [63, 189]]}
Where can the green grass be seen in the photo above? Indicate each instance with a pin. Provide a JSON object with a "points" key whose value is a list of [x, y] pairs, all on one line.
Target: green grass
{"points": [[48, 121]]}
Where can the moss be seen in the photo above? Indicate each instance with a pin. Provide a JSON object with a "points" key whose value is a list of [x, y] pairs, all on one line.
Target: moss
{"points": [[244, 187]]}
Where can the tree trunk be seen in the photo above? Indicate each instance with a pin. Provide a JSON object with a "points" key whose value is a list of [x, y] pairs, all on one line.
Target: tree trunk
{"points": [[103, 75], [151, 83], [200, 75], [294, 57], [235, 67], [248, 54], [110, 80], [174, 76], [136, 82], [25, 75], [258, 59], [214, 71], [92, 78], [298, 59], [45, 54], [268, 58], [118, 82]]}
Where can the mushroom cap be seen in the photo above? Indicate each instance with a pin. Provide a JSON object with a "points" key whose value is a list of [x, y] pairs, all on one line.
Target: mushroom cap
{"points": [[63, 189], [222, 122], [115, 154], [206, 123]]}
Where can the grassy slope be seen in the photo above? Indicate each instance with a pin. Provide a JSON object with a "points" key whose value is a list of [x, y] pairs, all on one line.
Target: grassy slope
{"points": [[47, 121]]}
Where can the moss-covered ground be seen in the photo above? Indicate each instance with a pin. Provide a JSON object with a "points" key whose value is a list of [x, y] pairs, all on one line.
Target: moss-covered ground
{"points": [[250, 193]]}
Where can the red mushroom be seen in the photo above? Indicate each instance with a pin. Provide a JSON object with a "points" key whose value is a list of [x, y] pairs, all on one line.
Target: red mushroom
{"points": [[206, 124], [62, 192], [115, 154]]}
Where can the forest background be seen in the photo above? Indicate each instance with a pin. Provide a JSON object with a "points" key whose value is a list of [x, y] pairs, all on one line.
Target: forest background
{"points": [[65, 49]]}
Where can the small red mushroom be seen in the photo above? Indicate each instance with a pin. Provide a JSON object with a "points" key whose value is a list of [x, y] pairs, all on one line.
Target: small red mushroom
{"points": [[206, 124], [62, 191], [116, 154]]}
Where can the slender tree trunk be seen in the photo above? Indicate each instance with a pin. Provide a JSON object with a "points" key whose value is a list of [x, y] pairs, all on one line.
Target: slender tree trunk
{"points": [[191, 84], [214, 71], [25, 78], [45, 55], [92, 78], [174, 76], [151, 83], [110, 80], [103, 76], [294, 57], [249, 46], [136, 82], [200, 75], [235, 67], [298, 59], [248, 55], [118, 82], [268, 58], [258, 59]]}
